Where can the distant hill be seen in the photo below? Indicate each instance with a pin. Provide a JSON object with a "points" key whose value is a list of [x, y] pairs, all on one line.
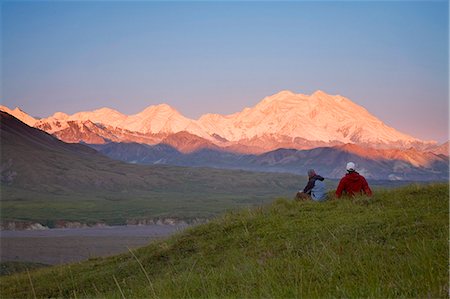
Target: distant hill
{"points": [[44, 179], [378, 164], [393, 245]]}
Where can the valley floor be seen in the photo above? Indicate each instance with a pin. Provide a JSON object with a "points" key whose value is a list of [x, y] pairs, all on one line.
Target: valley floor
{"points": [[59, 246]]}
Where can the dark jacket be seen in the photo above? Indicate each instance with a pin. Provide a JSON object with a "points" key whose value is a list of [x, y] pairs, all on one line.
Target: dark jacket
{"points": [[353, 183], [316, 188]]}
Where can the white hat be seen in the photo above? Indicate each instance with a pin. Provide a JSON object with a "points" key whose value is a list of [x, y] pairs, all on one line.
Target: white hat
{"points": [[350, 166]]}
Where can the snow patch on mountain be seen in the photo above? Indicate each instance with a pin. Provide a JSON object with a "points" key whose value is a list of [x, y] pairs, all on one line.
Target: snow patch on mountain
{"points": [[19, 114]]}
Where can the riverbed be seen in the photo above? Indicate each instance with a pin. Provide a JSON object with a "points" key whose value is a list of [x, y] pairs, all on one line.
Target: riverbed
{"points": [[59, 246]]}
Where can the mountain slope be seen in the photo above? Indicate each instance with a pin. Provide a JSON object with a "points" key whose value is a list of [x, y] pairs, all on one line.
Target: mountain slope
{"points": [[378, 164], [392, 245], [187, 143], [103, 115], [442, 149], [19, 114], [373, 164], [138, 153], [44, 179], [74, 131]]}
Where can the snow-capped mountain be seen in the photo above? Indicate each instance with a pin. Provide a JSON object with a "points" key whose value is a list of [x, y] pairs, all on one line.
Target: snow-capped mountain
{"points": [[105, 116], [284, 119], [316, 117], [75, 131], [157, 119], [161, 119]]}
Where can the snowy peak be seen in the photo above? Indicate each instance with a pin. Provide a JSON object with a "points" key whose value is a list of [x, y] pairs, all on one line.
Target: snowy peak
{"points": [[284, 98], [20, 115], [161, 108], [102, 116], [60, 116], [161, 119], [319, 93], [280, 96], [159, 111]]}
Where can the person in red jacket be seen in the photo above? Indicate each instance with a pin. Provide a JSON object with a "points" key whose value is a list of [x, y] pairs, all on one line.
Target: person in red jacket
{"points": [[353, 183]]}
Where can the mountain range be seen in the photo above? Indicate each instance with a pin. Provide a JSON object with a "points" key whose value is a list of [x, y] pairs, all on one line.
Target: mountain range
{"points": [[283, 132], [378, 164], [287, 119]]}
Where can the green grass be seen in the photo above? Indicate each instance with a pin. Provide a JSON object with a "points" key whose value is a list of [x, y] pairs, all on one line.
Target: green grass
{"points": [[8, 268], [394, 244], [115, 208]]}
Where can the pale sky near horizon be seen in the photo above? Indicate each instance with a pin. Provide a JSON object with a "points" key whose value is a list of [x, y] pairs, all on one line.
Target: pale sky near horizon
{"points": [[219, 57]]}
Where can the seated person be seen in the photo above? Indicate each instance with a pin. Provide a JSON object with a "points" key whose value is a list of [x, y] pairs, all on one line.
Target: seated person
{"points": [[353, 183], [315, 189]]}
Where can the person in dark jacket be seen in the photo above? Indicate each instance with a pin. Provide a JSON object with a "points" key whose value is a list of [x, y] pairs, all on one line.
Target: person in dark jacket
{"points": [[315, 189], [353, 183]]}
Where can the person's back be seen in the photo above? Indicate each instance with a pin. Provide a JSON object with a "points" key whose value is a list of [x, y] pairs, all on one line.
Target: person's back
{"points": [[315, 189], [319, 192], [353, 183]]}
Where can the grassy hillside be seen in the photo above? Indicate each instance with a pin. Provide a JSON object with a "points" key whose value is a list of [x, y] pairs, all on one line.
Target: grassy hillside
{"points": [[394, 244], [8, 268]]}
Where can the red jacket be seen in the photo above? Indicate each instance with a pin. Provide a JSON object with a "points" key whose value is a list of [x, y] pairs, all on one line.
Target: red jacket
{"points": [[353, 183]]}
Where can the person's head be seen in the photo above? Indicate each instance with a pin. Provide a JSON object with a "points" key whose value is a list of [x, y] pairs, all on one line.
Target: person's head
{"points": [[311, 173], [350, 167]]}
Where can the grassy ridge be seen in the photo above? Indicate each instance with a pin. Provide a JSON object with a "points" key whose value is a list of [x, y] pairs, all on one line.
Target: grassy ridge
{"points": [[394, 244]]}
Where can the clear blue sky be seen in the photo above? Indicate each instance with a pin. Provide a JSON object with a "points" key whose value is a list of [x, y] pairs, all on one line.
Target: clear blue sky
{"points": [[199, 57]]}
